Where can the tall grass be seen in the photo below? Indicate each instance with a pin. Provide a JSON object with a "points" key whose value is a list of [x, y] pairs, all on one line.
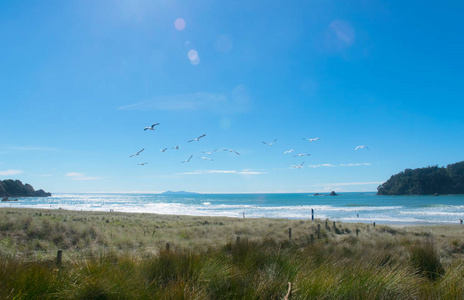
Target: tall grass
{"points": [[382, 263], [245, 270], [424, 257]]}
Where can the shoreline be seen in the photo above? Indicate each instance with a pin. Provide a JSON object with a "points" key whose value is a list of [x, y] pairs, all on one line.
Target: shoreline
{"points": [[355, 208], [394, 224]]}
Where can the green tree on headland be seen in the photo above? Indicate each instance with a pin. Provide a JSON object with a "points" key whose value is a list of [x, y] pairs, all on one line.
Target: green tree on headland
{"points": [[426, 181]]}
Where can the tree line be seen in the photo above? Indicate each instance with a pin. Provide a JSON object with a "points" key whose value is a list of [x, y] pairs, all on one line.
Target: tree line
{"points": [[426, 181]]}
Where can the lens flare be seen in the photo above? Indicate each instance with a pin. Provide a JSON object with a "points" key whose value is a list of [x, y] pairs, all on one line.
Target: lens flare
{"points": [[179, 24], [193, 56]]}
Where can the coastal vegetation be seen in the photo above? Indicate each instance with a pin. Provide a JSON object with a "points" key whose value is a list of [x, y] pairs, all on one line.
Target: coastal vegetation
{"points": [[15, 188], [109, 255], [426, 181]]}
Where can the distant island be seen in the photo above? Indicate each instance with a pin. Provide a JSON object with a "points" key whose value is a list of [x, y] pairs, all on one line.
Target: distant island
{"points": [[178, 193], [432, 180], [15, 188]]}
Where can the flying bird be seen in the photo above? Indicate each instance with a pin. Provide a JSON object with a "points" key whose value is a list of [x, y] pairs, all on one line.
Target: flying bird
{"points": [[163, 150], [176, 147], [311, 140], [152, 127], [360, 147], [197, 139], [298, 166], [231, 150], [209, 153], [137, 153], [270, 144], [142, 164], [289, 151], [188, 160], [302, 154]]}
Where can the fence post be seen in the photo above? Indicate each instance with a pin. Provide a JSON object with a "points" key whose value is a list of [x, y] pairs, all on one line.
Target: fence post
{"points": [[318, 231], [374, 224], [312, 238], [59, 257], [357, 231], [326, 225], [290, 234], [168, 246], [237, 241], [334, 225]]}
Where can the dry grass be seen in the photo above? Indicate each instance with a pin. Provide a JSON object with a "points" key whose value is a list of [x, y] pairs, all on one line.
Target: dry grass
{"points": [[124, 256]]}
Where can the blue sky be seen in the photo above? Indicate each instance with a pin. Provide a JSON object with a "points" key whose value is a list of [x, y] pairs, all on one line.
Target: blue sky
{"points": [[80, 80]]}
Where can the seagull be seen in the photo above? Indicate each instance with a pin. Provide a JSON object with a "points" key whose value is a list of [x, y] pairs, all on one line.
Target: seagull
{"points": [[298, 166], [360, 147], [163, 150], [289, 151], [176, 147], [142, 164], [205, 158], [137, 153], [197, 139], [301, 154], [311, 140], [209, 153], [270, 144], [151, 128], [186, 161], [231, 150]]}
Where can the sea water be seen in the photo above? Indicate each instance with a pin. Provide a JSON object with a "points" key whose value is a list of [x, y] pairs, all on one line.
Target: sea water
{"points": [[346, 207]]}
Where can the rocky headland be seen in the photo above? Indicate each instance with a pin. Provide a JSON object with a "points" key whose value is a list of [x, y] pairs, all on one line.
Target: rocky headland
{"points": [[15, 188]]}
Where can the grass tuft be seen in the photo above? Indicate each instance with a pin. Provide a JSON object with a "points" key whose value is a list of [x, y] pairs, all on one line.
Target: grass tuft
{"points": [[425, 258]]}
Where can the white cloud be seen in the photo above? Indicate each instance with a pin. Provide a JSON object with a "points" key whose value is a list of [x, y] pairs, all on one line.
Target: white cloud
{"points": [[33, 148], [321, 165], [243, 172], [194, 101], [355, 164], [349, 183], [341, 165], [237, 100], [10, 172], [343, 31], [81, 176]]}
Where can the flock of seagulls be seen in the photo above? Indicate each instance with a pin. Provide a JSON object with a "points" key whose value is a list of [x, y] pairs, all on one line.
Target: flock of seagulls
{"points": [[296, 166]]}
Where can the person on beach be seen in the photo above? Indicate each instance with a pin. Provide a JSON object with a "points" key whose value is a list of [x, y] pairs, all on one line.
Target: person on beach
{"points": [[460, 220]]}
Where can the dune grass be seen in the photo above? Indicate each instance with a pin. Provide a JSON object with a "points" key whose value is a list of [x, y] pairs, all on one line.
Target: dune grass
{"points": [[124, 256]]}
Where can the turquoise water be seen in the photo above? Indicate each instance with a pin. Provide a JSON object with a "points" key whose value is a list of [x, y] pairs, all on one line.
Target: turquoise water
{"points": [[347, 207]]}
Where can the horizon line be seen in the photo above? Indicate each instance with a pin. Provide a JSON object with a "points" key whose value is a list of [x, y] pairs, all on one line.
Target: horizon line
{"points": [[211, 193]]}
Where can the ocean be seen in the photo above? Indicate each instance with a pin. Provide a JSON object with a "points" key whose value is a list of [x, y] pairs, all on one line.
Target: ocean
{"points": [[346, 207]]}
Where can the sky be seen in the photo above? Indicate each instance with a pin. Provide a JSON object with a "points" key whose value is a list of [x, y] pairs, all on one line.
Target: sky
{"points": [[80, 80]]}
